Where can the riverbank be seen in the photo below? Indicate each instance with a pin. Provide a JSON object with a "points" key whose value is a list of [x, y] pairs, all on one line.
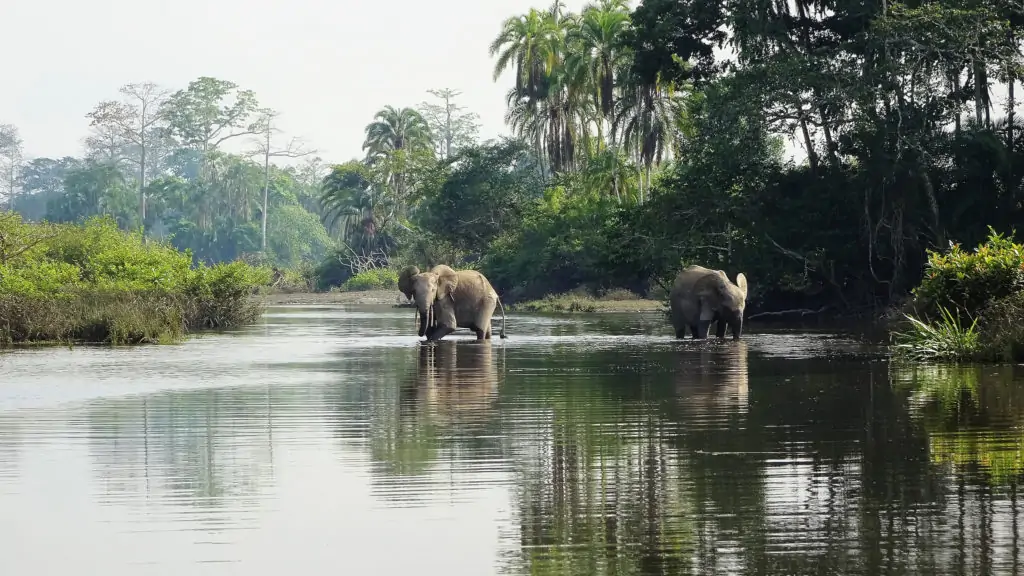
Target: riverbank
{"points": [[555, 304], [360, 298]]}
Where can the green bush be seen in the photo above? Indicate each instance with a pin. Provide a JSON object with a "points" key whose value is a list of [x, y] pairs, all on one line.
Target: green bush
{"points": [[373, 279], [986, 285], [946, 339], [96, 283], [971, 280]]}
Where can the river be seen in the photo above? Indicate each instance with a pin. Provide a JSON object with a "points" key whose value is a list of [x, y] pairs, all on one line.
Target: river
{"points": [[329, 440]]}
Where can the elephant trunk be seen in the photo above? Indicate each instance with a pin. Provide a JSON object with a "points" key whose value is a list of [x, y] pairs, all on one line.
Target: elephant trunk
{"points": [[737, 328], [502, 333]]}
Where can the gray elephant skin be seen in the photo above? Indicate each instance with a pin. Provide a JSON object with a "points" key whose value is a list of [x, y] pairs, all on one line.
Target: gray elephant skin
{"points": [[701, 296], [447, 299]]}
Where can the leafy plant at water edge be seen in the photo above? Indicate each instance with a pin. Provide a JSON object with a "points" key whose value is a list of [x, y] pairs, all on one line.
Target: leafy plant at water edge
{"points": [[972, 280], [93, 282], [943, 340]]}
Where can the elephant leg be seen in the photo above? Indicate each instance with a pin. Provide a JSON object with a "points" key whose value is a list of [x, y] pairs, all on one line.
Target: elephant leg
{"points": [[681, 333], [440, 331], [487, 335], [720, 328], [702, 328], [479, 333]]}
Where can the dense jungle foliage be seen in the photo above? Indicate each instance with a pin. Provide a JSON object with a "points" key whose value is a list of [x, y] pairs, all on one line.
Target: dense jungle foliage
{"points": [[641, 140], [95, 283]]}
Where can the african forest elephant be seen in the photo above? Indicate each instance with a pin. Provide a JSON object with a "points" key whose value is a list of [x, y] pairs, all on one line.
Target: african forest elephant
{"points": [[701, 296], [448, 299]]}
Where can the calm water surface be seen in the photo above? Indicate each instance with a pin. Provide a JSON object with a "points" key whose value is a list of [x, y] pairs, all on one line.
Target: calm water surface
{"points": [[331, 441]]}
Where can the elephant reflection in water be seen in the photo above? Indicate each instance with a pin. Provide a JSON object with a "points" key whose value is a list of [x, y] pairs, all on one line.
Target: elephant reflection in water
{"points": [[456, 380], [715, 380]]}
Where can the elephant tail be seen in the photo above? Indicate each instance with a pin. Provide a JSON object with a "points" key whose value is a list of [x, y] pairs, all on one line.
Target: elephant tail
{"points": [[502, 333]]}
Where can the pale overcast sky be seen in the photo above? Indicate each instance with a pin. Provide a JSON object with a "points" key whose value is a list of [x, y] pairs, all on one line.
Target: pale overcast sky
{"points": [[326, 65]]}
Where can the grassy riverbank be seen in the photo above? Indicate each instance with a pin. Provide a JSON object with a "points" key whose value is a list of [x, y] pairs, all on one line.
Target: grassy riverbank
{"points": [[575, 302], [561, 303], [96, 283], [969, 307]]}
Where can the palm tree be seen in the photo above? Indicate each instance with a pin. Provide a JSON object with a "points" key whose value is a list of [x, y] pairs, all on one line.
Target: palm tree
{"points": [[350, 199], [531, 43], [390, 138], [645, 119], [396, 129], [596, 46]]}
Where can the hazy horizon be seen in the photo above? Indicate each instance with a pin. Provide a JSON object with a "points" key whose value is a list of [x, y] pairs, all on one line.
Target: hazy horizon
{"points": [[326, 67]]}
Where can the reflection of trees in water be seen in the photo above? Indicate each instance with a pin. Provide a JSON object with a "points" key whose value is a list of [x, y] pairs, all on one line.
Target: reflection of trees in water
{"points": [[816, 468], [602, 489], [198, 448], [974, 421], [10, 446]]}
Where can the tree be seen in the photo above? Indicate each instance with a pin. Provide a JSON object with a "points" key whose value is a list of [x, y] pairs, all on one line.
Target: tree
{"points": [[264, 147], [10, 161], [483, 189], [394, 139], [92, 189], [42, 182], [134, 121], [451, 127], [352, 197], [204, 115], [395, 129]]}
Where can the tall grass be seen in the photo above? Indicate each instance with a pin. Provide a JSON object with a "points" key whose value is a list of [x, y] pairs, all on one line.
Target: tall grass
{"points": [[946, 339]]}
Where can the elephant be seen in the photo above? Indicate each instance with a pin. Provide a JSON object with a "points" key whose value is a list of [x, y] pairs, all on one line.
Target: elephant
{"points": [[448, 299], [701, 296]]}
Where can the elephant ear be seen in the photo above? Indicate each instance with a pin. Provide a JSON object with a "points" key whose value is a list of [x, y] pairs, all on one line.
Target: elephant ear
{"points": [[405, 284], [741, 283], [446, 286]]}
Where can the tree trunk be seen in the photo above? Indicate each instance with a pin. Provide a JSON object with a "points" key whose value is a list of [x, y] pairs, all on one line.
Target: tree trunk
{"points": [[1011, 103], [142, 186], [266, 191], [979, 92], [812, 156], [933, 204]]}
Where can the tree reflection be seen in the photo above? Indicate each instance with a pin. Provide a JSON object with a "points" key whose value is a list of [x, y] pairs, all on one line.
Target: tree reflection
{"points": [[605, 488], [10, 446], [197, 448]]}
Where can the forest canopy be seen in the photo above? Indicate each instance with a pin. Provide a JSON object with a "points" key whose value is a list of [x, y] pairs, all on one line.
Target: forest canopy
{"points": [[639, 141]]}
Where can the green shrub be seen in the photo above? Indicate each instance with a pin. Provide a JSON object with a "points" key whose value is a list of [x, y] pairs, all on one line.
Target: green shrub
{"points": [[971, 280], [986, 284], [96, 283], [946, 339], [373, 279]]}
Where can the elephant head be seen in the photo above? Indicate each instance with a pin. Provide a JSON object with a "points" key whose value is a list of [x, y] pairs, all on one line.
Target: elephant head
{"points": [[725, 302], [423, 287], [405, 280]]}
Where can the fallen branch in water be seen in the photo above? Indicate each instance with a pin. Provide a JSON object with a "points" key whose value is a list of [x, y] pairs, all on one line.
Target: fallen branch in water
{"points": [[801, 311]]}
